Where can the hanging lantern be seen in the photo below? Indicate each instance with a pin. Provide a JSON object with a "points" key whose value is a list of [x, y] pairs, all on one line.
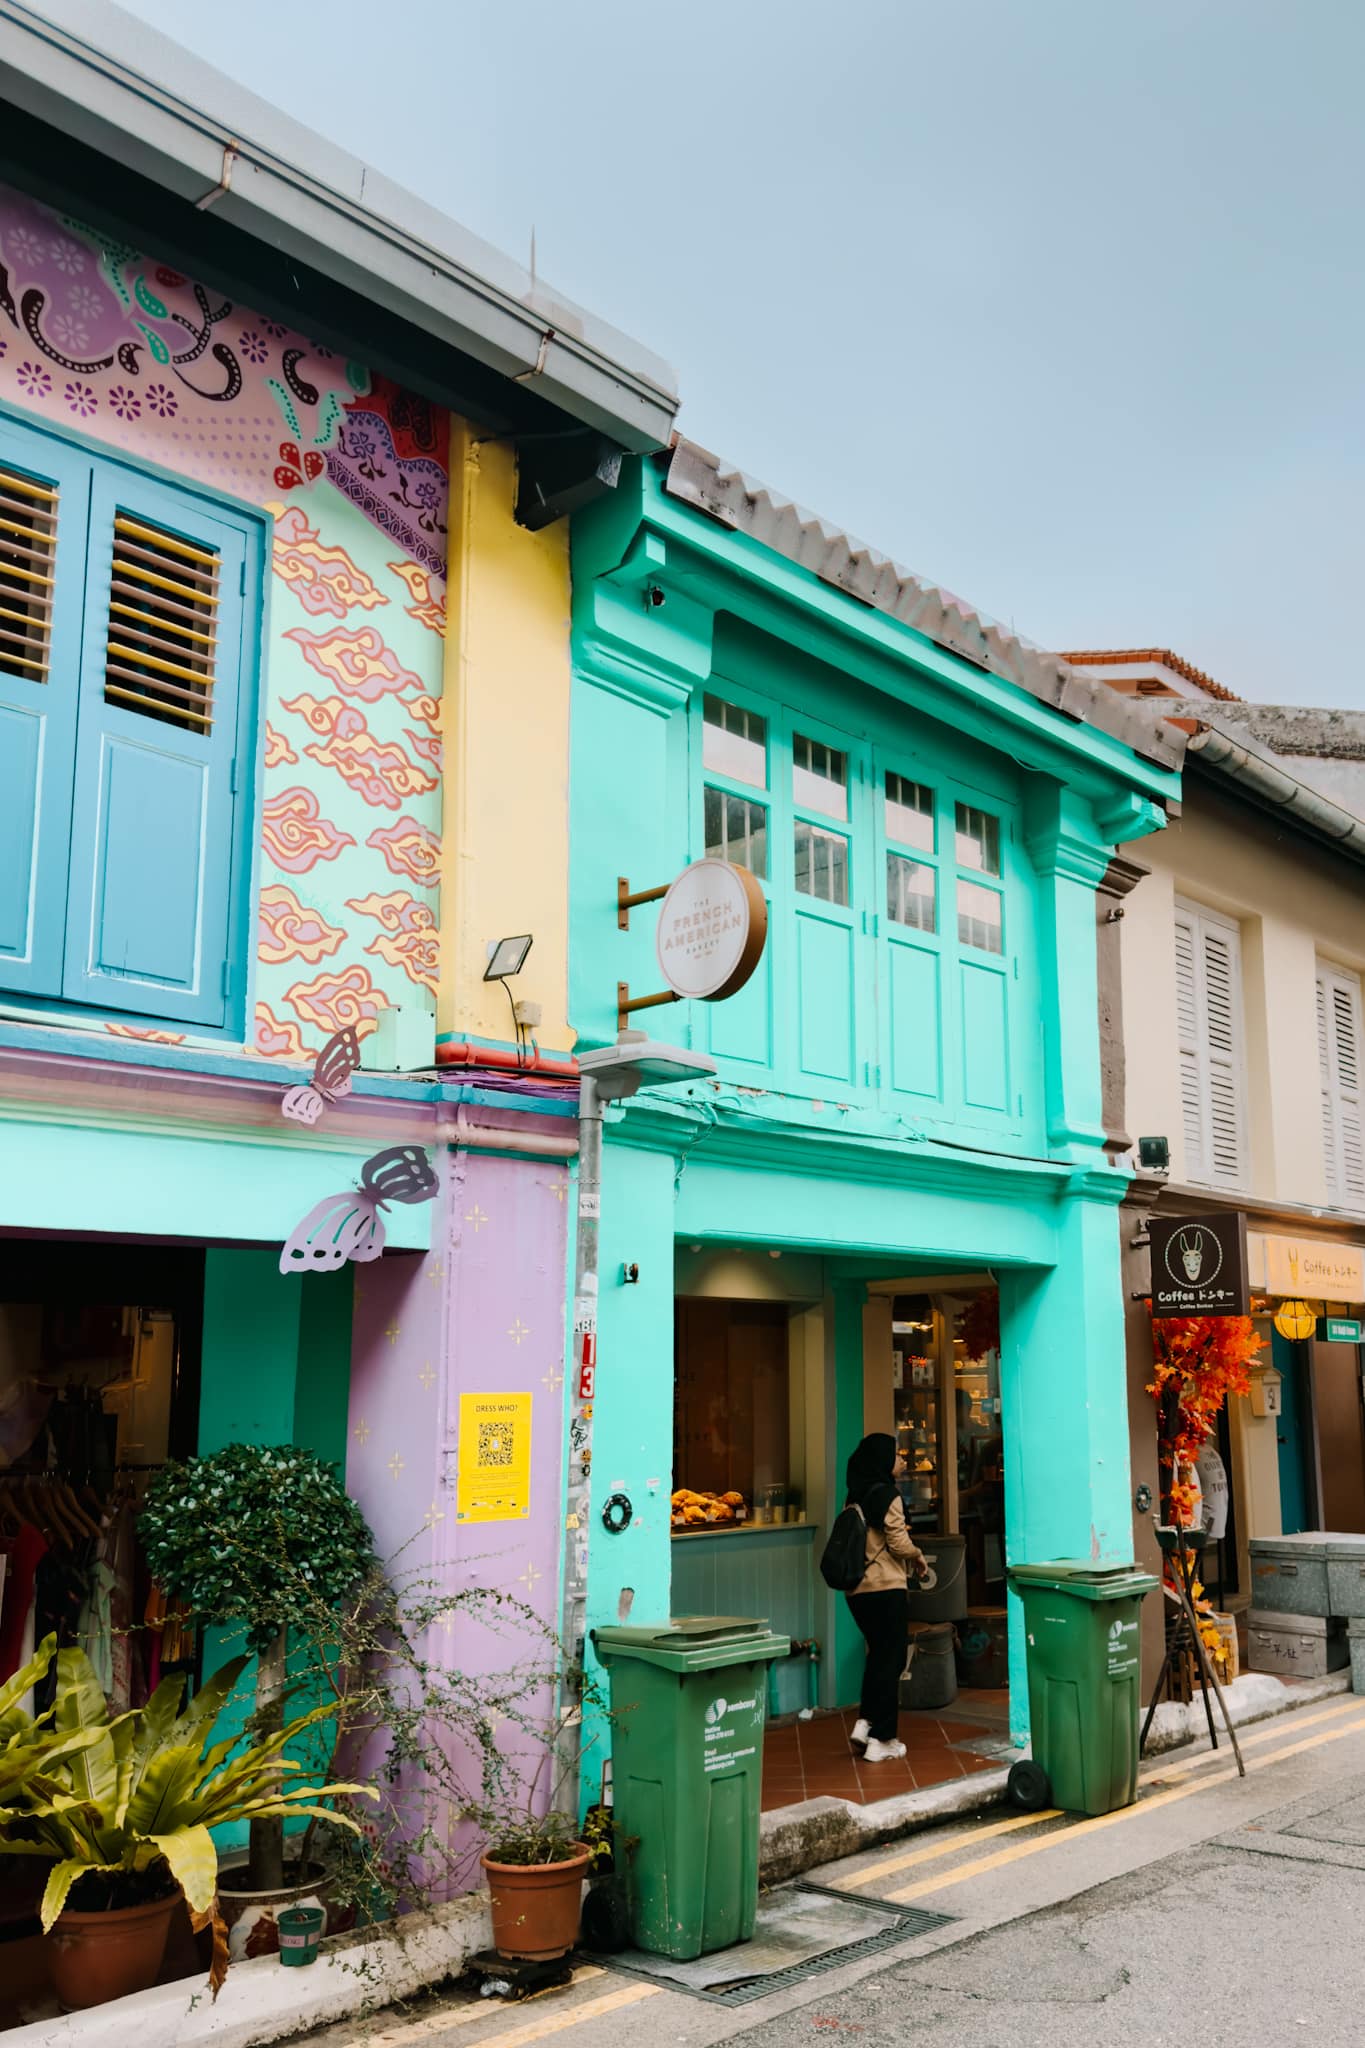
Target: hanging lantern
{"points": [[1295, 1320]]}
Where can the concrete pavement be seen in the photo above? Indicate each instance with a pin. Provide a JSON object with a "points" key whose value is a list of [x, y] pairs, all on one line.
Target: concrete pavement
{"points": [[1216, 1910]]}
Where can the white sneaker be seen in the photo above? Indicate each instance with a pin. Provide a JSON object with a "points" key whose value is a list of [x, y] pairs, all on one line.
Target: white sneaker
{"points": [[883, 1752], [859, 1733]]}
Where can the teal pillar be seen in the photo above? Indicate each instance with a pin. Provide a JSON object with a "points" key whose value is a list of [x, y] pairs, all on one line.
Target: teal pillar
{"points": [[1064, 1398], [630, 1573], [276, 1366], [323, 1389], [845, 1434], [276, 1355]]}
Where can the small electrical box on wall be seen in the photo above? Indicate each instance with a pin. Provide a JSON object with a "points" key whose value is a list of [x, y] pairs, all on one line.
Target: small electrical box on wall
{"points": [[1265, 1393], [403, 1041]]}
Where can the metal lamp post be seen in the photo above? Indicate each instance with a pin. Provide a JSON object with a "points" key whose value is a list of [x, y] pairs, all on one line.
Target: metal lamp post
{"points": [[611, 1074]]}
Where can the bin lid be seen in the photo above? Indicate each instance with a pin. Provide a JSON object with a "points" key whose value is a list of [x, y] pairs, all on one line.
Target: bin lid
{"points": [[693, 1642], [1272, 1623], [1086, 1581], [1308, 1543], [687, 1628]]}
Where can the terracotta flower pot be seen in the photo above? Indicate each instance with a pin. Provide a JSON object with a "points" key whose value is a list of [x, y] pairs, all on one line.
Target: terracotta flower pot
{"points": [[99, 1956], [535, 1906]]}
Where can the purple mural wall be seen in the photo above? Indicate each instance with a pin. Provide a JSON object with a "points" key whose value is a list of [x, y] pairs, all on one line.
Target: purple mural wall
{"points": [[100, 340], [484, 1314]]}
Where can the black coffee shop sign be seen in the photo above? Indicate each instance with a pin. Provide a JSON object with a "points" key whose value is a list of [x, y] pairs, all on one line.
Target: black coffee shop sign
{"points": [[1199, 1266]]}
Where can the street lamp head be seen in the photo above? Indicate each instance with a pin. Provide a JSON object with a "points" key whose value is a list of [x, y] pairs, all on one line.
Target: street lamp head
{"points": [[636, 1062]]}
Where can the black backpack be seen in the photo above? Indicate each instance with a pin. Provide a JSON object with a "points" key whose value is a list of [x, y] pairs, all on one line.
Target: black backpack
{"points": [[845, 1555]]}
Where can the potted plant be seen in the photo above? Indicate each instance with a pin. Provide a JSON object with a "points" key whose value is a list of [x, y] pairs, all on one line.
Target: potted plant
{"points": [[264, 1535], [535, 1865], [120, 1808]]}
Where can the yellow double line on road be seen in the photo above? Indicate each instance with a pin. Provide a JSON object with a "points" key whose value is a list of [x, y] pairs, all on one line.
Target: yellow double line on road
{"points": [[1347, 1717], [553, 2022], [873, 1873], [1015, 1851]]}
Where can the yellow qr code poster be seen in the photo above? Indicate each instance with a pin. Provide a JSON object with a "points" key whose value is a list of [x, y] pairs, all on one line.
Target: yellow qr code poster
{"points": [[494, 1458]]}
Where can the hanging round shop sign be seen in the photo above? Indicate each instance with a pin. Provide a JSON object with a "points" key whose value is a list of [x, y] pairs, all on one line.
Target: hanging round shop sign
{"points": [[712, 926]]}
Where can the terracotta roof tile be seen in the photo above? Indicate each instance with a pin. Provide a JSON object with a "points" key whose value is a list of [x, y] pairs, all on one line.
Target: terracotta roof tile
{"points": [[1103, 657]]}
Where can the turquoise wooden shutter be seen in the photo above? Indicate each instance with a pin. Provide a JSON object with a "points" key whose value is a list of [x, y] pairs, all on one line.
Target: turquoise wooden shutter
{"points": [[154, 839], [827, 857], [44, 508]]}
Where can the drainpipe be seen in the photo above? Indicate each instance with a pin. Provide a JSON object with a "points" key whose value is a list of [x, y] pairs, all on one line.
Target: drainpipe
{"points": [[476, 1137], [460, 1053], [578, 1488]]}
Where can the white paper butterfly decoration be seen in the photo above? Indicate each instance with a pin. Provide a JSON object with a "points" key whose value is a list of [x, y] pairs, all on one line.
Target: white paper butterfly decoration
{"points": [[332, 1071], [349, 1225]]}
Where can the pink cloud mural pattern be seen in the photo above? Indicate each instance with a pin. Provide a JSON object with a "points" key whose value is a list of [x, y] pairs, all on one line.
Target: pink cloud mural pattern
{"points": [[103, 340]]}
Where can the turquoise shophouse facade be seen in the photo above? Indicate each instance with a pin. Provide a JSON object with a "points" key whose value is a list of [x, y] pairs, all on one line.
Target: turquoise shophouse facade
{"points": [[907, 1108]]}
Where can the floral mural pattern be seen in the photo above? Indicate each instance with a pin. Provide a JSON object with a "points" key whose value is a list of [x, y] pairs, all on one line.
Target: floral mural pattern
{"points": [[99, 339]]}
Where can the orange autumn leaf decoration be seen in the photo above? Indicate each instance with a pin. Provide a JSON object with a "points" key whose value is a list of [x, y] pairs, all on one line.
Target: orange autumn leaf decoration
{"points": [[1198, 1362]]}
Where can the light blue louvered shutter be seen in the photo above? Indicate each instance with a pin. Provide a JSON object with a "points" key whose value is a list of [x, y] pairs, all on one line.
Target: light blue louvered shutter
{"points": [[173, 582], [44, 506]]}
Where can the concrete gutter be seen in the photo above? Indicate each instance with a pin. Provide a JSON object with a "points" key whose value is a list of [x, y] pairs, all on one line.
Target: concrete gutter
{"points": [[820, 1831], [100, 76], [1258, 774], [261, 2001], [1254, 771]]}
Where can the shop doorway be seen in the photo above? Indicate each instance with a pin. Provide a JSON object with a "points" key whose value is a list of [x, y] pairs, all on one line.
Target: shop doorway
{"points": [[99, 1386], [945, 1371], [1341, 1441], [1294, 1436]]}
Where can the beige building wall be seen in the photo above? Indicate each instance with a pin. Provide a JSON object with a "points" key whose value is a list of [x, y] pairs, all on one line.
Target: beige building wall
{"points": [[1293, 903]]}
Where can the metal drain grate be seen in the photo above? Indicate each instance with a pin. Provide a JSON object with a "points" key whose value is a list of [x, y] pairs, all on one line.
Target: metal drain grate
{"points": [[907, 1923]]}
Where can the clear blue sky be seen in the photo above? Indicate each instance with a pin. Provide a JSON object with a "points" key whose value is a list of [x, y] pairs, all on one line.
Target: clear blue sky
{"points": [[1060, 302]]}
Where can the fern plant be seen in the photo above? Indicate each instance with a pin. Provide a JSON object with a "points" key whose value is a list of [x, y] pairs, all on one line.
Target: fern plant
{"points": [[114, 1796]]}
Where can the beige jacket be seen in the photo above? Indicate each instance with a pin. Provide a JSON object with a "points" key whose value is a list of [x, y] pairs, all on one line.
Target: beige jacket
{"points": [[891, 1550]]}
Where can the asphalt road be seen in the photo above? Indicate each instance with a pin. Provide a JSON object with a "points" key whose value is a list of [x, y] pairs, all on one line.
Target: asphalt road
{"points": [[1216, 1910], [1227, 1943]]}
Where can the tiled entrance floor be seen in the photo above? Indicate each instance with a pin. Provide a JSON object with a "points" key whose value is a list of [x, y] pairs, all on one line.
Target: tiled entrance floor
{"points": [[813, 1760]]}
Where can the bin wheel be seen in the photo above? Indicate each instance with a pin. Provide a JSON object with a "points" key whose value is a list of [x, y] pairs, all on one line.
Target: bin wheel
{"points": [[606, 1920], [1029, 1786]]}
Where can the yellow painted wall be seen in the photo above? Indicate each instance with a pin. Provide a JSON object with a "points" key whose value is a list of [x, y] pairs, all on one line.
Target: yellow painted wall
{"points": [[506, 818], [1294, 904]]}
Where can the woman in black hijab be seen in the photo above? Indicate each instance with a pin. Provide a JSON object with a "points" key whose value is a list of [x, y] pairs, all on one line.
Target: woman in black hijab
{"points": [[878, 1602]]}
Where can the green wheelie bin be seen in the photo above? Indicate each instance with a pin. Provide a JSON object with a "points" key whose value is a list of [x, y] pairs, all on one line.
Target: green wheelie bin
{"points": [[1082, 1630], [687, 1709]]}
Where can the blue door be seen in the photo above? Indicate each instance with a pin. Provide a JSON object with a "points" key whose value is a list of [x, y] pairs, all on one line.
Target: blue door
{"points": [[1293, 1435]]}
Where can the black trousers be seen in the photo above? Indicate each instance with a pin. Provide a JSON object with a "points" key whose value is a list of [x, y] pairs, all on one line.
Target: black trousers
{"points": [[884, 1620]]}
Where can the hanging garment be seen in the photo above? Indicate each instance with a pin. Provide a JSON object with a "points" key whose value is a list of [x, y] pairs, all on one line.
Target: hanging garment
{"points": [[25, 1552], [121, 1556], [61, 1584], [96, 1627]]}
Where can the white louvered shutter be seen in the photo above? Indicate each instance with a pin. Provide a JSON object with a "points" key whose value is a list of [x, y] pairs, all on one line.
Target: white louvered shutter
{"points": [[1341, 1056], [1208, 959], [1188, 1018]]}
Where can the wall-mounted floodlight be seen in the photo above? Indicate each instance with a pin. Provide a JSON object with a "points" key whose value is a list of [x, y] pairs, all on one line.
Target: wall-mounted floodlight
{"points": [[507, 957]]}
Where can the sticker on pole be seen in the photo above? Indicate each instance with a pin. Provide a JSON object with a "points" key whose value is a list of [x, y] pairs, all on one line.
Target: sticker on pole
{"points": [[712, 928]]}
